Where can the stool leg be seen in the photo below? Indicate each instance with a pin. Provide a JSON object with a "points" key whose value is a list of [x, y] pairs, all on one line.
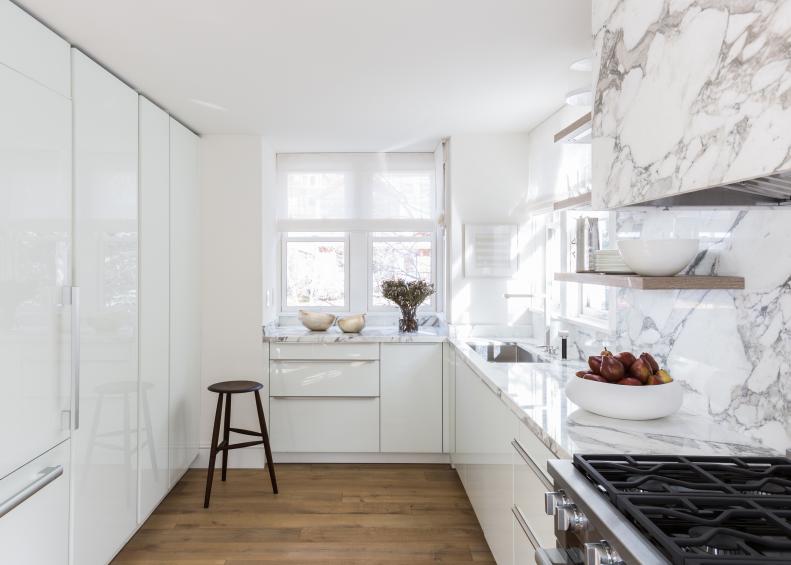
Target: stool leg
{"points": [[226, 435], [265, 436], [213, 451]]}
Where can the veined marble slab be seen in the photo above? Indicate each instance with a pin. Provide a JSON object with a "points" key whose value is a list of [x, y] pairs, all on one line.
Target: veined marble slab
{"points": [[386, 334], [688, 94], [535, 393]]}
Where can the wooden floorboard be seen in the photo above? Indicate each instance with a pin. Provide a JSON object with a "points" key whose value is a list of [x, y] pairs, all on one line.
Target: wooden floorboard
{"points": [[340, 514]]}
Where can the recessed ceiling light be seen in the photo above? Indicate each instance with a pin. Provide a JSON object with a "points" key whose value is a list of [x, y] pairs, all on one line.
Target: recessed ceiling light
{"points": [[585, 65], [580, 97], [210, 105]]}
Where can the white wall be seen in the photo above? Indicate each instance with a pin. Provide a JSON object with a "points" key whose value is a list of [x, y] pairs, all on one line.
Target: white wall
{"points": [[231, 189], [488, 184]]}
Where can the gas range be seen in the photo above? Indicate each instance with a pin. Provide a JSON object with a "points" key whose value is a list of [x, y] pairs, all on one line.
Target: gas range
{"points": [[680, 510]]}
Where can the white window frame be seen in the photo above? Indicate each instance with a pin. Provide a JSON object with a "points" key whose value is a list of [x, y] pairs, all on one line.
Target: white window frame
{"points": [[436, 299], [285, 238]]}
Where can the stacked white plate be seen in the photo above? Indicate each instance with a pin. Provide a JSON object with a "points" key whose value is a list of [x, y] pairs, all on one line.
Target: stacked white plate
{"points": [[609, 261]]}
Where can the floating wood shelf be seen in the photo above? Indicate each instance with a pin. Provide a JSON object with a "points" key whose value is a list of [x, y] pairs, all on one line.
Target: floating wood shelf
{"points": [[581, 201], [680, 282], [577, 131]]}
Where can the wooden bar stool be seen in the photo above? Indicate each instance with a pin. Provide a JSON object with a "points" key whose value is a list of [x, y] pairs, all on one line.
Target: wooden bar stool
{"points": [[228, 388]]}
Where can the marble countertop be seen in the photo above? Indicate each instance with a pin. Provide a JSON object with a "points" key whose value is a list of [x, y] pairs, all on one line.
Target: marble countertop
{"points": [[535, 393], [372, 334]]}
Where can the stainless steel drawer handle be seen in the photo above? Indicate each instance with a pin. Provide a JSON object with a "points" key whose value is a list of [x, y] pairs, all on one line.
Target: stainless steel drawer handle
{"points": [[45, 477], [531, 463], [520, 518]]}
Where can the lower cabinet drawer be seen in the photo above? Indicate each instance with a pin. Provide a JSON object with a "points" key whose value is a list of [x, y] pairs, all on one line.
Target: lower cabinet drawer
{"points": [[529, 489], [524, 552], [324, 378], [319, 425]]}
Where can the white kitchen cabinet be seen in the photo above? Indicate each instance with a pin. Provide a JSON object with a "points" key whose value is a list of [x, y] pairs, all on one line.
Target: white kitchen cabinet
{"points": [[35, 268], [36, 532], [33, 50], [324, 351], [324, 378], [411, 397], [154, 306], [524, 550], [530, 484], [104, 447], [324, 425], [485, 428], [185, 300]]}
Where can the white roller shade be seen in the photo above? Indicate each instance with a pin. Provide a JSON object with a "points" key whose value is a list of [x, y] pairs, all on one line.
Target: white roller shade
{"points": [[356, 191]]}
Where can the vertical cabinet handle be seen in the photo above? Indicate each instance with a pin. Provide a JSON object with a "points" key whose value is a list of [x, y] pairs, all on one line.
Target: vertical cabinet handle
{"points": [[75, 353]]}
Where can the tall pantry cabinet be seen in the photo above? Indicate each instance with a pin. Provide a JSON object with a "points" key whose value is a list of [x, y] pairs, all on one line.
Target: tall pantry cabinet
{"points": [[104, 443], [137, 264]]}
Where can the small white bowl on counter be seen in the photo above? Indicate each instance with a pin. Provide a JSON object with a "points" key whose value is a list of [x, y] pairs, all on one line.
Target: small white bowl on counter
{"points": [[626, 402], [353, 324], [316, 321], [658, 257]]}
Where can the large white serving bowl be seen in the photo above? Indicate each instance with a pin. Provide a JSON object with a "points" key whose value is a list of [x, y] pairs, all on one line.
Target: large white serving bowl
{"points": [[626, 402], [657, 257], [316, 321]]}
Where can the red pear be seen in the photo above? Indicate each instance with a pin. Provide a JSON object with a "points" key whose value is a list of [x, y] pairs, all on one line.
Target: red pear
{"points": [[626, 359], [581, 374], [650, 361], [629, 381], [611, 368], [594, 362], [605, 352], [593, 377], [640, 370]]}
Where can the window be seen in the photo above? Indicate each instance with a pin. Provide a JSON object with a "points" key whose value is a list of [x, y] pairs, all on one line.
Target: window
{"points": [[349, 221], [316, 273], [406, 255]]}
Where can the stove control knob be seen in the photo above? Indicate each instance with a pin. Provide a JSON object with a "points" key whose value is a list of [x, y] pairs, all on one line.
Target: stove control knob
{"points": [[554, 499], [602, 553], [568, 518]]}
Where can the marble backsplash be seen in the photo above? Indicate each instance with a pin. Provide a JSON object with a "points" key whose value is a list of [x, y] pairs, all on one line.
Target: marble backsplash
{"points": [[730, 349]]}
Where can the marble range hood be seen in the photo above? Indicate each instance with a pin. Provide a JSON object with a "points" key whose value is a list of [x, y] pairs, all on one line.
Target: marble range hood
{"points": [[768, 190], [692, 103]]}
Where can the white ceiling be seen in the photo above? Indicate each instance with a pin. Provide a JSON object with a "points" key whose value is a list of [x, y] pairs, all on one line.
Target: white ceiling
{"points": [[338, 75]]}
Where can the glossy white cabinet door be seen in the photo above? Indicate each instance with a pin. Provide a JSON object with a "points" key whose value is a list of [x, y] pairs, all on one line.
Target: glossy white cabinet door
{"points": [[411, 403], [32, 49], [37, 531], [324, 425], [35, 265], [154, 305], [485, 428], [104, 448], [324, 378], [185, 292]]}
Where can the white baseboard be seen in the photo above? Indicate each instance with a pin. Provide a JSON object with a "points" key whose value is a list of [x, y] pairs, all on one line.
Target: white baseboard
{"points": [[254, 458]]}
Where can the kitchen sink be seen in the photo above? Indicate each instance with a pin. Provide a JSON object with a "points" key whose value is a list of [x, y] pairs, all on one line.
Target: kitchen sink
{"points": [[504, 352]]}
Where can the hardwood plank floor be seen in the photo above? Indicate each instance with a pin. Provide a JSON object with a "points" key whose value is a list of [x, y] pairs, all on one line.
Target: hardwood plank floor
{"points": [[343, 514]]}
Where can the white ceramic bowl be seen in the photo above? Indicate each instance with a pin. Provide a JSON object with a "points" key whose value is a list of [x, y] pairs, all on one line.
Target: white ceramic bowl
{"points": [[626, 402], [352, 324], [316, 321], [658, 257]]}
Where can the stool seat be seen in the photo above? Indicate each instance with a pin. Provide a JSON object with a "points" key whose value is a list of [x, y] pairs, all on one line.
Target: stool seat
{"points": [[235, 387]]}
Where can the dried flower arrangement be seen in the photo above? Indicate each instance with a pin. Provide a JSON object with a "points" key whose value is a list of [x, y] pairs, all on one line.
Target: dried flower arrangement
{"points": [[407, 296]]}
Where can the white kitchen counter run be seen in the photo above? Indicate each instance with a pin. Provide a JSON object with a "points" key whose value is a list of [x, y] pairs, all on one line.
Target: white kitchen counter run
{"points": [[535, 393], [384, 334]]}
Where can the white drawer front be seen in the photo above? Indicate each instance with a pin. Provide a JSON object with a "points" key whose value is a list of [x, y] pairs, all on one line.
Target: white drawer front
{"points": [[322, 425], [324, 351], [324, 378], [529, 489], [539, 453], [524, 552]]}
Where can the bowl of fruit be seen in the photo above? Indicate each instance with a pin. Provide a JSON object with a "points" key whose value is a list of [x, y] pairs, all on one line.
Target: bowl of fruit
{"points": [[626, 387]]}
